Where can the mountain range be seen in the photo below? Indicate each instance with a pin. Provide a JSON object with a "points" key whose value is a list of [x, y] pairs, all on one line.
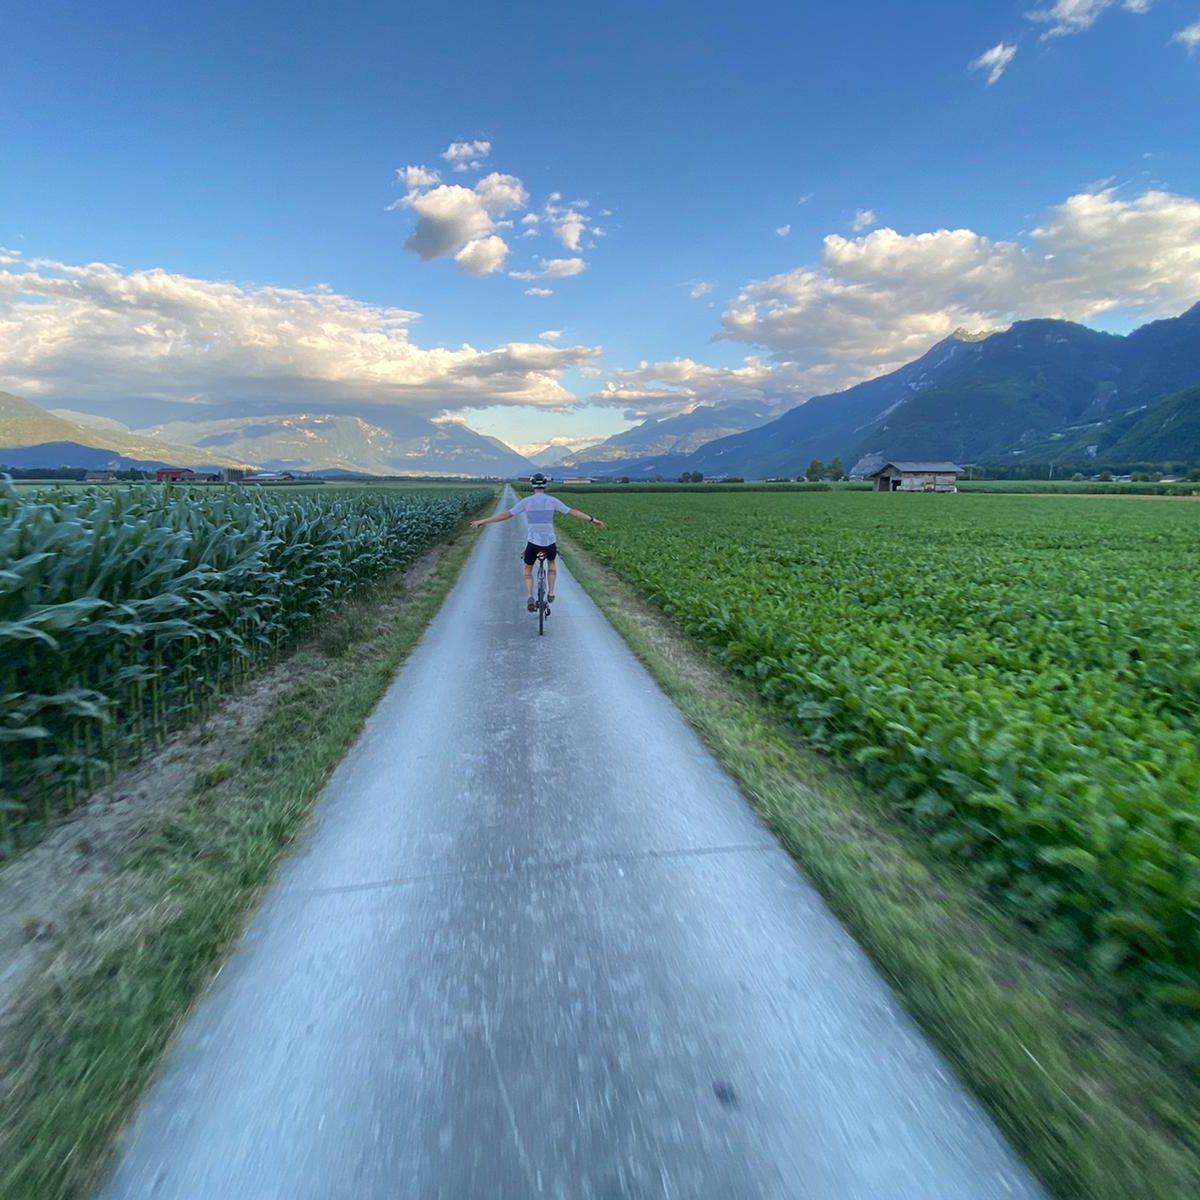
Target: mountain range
{"points": [[33, 437], [1041, 391], [411, 445], [678, 435]]}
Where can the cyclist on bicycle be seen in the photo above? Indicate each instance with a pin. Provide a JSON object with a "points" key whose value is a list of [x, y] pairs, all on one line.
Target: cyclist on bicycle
{"points": [[539, 510]]}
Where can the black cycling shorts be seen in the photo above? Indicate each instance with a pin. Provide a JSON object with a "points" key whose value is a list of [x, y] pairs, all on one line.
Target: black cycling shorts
{"points": [[532, 551]]}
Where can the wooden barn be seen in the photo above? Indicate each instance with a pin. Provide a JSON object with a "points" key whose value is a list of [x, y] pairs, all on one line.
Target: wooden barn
{"points": [[917, 477]]}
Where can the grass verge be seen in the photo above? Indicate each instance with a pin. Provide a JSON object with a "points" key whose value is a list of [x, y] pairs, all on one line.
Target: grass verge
{"points": [[137, 952], [1096, 1111]]}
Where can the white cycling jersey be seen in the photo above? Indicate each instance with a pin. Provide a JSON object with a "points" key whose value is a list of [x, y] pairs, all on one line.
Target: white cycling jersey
{"points": [[539, 510]]}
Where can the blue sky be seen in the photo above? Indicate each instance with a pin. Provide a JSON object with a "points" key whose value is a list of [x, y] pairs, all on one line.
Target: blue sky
{"points": [[226, 159]]}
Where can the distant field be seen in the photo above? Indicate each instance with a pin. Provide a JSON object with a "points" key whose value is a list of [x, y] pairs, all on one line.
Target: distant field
{"points": [[709, 487], [1019, 677], [1015, 486], [1080, 487]]}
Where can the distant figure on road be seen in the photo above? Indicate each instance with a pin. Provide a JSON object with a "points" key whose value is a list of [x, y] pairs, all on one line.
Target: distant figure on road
{"points": [[539, 510]]}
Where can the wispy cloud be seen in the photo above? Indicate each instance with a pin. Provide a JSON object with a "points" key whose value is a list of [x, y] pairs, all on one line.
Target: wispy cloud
{"points": [[467, 156], [569, 221], [1189, 38], [663, 389], [863, 219], [1066, 17], [554, 268], [701, 289], [994, 61], [783, 230], [540, 292]]}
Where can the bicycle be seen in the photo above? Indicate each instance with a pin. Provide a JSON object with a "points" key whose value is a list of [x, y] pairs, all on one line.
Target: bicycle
{"points": [[543, 605]]}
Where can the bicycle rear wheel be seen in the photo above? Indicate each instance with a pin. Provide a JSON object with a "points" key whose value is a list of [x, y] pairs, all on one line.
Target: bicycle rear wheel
{"points": [[541, 596]]}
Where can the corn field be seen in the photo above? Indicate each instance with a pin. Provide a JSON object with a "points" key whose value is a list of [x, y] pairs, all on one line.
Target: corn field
{"points": [[125, 613]]}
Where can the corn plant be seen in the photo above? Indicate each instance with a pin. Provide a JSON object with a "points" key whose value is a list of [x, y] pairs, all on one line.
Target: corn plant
{"points": [[125, 612]]}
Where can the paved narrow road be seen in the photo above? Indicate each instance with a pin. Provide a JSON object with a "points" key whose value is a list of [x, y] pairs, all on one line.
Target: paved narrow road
{"points": [[538, 945]]}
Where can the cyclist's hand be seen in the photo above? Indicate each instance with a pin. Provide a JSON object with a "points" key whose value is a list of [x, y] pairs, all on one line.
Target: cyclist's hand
{"points": [[598, 524], [476, 524]]}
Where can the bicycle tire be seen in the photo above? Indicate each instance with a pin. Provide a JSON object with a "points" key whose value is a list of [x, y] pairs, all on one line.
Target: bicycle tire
{"points": [[541, 597]]}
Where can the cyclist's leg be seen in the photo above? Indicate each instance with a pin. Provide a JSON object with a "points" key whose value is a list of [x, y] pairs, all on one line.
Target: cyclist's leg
{"points": [[529, 560], [551, 572]]}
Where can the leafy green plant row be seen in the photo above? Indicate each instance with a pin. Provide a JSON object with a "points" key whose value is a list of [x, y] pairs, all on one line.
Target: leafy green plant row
{"points": [[1019, 677], [1085, 487], [126, 611], [712, 486]]}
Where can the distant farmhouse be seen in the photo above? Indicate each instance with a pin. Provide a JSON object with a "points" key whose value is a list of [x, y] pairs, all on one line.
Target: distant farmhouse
{"points": [[187, 475], [917, 477]]}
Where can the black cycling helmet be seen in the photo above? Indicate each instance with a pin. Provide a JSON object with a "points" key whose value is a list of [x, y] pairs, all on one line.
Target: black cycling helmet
{"points": [[539, 480]]}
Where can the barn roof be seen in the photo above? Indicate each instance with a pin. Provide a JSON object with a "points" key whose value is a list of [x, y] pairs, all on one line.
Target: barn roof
{"points": [[923, 467]]}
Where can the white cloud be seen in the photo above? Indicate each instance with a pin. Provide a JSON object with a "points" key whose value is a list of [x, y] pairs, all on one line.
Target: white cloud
{"points": [[96, 332], [570, 229], [467, 156], [663, 389], [561, 268], [995, 61], [878, 301], [417, 177], [783, 230], [483, 255], [863, 219], [1189, 37], [701, 289], [805, 198], [540, 292], [551, 335], [568, 220], [1074, 16], [560, 443], [450, 216], [553, 268], [501, 194], [465, 222]]}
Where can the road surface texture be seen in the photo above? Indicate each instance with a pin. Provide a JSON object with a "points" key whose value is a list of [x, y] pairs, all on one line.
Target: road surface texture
{"points": [[537, 944]]}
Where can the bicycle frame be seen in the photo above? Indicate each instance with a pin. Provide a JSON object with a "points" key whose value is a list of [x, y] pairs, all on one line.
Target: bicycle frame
{"points": [[543, 608]]}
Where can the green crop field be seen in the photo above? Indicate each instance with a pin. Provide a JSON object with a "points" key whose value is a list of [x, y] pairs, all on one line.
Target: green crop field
{"points": [[1018, 676], [125, 611]]}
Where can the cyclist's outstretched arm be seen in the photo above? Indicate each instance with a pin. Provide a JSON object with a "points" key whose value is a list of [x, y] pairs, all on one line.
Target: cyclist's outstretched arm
{"points": [[504, 516], [582, 516]]}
